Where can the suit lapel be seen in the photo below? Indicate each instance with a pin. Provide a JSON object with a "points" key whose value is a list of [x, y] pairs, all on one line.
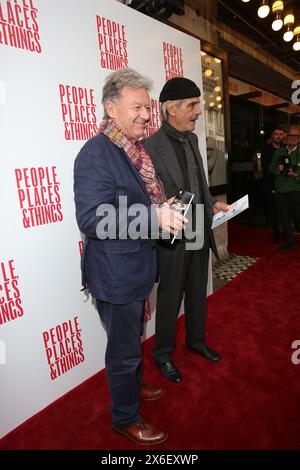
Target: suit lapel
{"points": [[167, 155], [199, 158], [134, 171], [204, 186]]}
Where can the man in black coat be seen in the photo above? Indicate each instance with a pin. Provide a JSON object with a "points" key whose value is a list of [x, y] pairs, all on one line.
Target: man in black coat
{"points": [[175, 154], [271, 212]]}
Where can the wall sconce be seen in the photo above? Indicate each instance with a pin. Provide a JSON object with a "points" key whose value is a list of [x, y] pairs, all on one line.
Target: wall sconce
{"points": [[264, 9], [289, 21], [277, 9]]}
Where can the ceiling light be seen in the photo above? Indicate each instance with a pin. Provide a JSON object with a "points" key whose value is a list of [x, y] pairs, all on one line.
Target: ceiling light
{"points": [[277, 23], [219, 98], [245, 1], [289, 21], [277, 9], [203, 53], [208, 72], [264, 9], [220, 106], [217, 89], [296, 45], [289, 34], [217, 61], [211, 104], [277, 6]]}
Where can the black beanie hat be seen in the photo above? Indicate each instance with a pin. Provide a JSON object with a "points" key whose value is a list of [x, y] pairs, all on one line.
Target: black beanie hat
{"points": [[179, 88]]}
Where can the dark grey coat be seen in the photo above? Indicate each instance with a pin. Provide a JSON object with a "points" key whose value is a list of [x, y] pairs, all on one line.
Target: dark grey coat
{"points": [[167, 168]]}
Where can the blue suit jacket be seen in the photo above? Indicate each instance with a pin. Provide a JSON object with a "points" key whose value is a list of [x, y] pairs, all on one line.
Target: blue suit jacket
{"points": [[118, 270]]}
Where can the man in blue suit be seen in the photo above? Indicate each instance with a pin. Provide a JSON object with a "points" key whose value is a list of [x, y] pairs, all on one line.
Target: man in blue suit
{"points": [[112, 172]]}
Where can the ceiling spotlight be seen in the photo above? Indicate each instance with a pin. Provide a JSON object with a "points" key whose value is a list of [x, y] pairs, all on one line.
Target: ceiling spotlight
{"points": [[289, 21], [219, 98], [203, 53], [217, 89], [277, 23], [296, 45], [245, 1], [277, 9], [158, 9], [277, 6], [289, 34], [211, 104], [220, 106], [217, 61], [264, 9]]}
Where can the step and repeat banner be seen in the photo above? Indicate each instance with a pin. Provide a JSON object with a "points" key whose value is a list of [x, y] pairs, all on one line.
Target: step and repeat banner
{"points": [[54, 56]]}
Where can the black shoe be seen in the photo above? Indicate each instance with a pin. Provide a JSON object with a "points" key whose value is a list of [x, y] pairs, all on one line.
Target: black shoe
{"points": [[286, 247], [206, 352], [170, 371]]}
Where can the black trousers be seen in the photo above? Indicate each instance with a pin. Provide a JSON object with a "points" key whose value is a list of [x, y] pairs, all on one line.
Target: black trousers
{"points": [[271, 210], [185, 273], [289, 210], [123, 358]]}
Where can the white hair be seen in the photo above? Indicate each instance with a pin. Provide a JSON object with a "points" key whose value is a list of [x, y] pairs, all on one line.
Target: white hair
{"points": [[164, 110], [116, 81]]}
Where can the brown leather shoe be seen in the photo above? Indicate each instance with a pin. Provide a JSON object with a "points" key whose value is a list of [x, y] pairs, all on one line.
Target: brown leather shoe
{"points": [[143, 433], [149, 393]]}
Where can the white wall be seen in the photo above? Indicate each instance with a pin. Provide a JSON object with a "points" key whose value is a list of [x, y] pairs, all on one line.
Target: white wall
{"points": [[39, 262]]}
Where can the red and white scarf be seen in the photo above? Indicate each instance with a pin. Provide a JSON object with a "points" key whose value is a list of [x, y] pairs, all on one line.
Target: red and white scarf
{"points": [[138, 156]]}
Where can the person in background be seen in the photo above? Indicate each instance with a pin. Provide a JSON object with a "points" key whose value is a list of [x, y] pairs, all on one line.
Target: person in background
{"points": [[271, 212], [216, 163], [285, 165]]}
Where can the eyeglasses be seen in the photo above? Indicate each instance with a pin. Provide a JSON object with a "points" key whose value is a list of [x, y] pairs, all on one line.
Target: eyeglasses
{"points": [[294, 135]]}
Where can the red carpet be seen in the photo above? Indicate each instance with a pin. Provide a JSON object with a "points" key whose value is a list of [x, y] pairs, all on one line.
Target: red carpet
{"points": [[250, 400], [249, 241]]}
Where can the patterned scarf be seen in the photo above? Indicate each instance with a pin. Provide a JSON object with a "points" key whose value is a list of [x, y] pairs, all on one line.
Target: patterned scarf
{"points": [[138, 156]]}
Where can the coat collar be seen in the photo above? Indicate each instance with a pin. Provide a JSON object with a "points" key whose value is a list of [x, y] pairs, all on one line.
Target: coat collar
{"points": [[167, 154]]}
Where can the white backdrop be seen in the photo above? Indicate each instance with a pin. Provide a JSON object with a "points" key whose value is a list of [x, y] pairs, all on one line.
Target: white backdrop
{"points": [[54, 56]]}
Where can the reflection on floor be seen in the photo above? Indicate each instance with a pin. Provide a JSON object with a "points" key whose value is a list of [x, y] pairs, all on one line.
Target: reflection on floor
{"points": [[229, 268]]}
